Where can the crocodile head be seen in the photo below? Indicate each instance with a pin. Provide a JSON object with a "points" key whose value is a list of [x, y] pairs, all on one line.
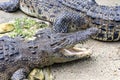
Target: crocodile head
{"points": [[69, 52], [62, 45]]}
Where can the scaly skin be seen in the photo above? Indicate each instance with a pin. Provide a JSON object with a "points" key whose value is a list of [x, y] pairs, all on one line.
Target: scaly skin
{"points": [[19, 56], [107, 19]]}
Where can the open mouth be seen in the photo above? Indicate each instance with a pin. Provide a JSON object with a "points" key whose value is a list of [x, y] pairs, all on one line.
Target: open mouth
{"points": [[78, 52]]}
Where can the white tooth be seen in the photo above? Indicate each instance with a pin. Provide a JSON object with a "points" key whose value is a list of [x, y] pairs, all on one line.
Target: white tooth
{"points": [[67, 52], [79, 49]]}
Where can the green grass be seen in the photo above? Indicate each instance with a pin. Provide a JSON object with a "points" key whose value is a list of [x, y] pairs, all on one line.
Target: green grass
{"points": [[25, 27]]}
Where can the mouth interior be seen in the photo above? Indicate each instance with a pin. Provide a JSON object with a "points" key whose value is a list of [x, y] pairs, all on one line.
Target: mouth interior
{"points": [[75, 51]]}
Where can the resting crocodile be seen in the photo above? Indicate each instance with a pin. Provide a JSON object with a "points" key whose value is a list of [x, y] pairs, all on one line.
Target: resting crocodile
{"points": [[107, 19], [19, 56]]}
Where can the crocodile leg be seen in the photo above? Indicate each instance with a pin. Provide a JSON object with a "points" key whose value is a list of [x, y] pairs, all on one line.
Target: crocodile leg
{"points": [[20, 74], [10, 6]]}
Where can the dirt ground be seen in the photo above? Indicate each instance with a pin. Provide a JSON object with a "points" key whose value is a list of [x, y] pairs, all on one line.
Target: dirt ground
{"points": [[104, 63]]}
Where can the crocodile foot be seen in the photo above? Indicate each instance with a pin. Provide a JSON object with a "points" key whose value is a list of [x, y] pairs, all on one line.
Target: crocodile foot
{"points": [[20, 74], [10, 6]]}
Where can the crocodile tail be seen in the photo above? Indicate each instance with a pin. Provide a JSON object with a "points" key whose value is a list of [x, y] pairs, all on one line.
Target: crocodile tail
{"points": [[11, 6]]}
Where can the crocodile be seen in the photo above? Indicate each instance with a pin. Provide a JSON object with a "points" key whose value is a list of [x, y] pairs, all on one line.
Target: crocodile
{"points": [[105, 18], [18, 56]]}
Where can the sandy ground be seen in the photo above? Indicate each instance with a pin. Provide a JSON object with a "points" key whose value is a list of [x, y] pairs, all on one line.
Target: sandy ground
{"points": [[104, 63]]}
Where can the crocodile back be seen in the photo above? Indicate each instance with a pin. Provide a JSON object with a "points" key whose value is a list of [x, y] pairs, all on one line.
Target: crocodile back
{"points": [[107, 19]]}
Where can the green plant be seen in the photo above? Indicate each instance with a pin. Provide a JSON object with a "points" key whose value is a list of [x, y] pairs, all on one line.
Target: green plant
{"points": [[26, 27]]}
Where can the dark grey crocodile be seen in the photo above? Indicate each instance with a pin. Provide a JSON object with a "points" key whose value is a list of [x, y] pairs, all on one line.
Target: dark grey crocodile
{"points": [[107, 19], [19, 56]]}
